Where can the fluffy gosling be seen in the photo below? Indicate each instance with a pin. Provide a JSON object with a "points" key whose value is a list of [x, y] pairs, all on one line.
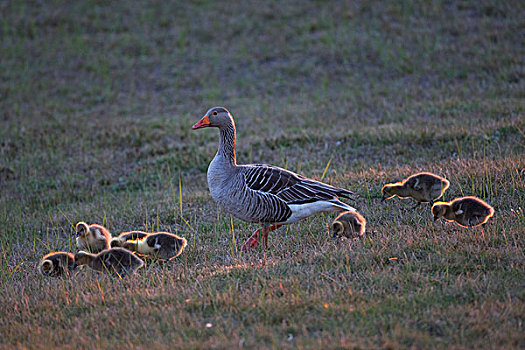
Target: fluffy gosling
{"points": [[93, 238], [349, 224], [126, 236], [162, 245], [465, 211], [56, 264], [113, 261], [422, 187]]}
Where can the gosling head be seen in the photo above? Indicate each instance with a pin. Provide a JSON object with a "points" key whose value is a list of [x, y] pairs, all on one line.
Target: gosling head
{"points": [[439, 209], [46, 267], [130, 245], [337, 228], [350, 224], [390, 190], [93, 238], [83, 258], [115, 242], [82, 229]]}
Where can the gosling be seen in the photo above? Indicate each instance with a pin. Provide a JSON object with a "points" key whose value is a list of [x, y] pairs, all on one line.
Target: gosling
{"points": [[126, 236], [349, 224], [163, 245], [117, 261], [93, 238], [465, 211], [422, 187], [57, 264]]}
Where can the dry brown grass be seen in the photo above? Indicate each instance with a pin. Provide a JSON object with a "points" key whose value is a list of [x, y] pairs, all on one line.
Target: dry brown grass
{"points": [[96, 104]]}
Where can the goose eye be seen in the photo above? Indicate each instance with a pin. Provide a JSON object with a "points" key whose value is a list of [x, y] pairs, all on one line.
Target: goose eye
{"points": [[214, 113]]}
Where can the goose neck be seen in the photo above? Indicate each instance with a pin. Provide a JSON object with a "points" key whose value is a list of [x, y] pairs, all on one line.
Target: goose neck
{"points": [[227, 143]]}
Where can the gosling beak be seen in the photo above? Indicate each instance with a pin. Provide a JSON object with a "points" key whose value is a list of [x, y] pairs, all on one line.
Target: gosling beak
{"points": [[203, 123], [78, 234], [334, 235], [435, 218], [383, 199]]}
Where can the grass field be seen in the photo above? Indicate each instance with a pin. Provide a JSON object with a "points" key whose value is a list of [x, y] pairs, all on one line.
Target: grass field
{"points": [[97, 100]]}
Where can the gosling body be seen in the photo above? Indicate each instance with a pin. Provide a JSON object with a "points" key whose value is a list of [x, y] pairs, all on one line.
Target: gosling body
{"points": [[349, 224], [93, 238], [162, 245], [127, 236], [117, 261], [422, 187], [57, 264], [465, 211]]}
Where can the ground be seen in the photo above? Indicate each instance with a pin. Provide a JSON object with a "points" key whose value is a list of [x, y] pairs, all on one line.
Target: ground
{"points": [[97, 100]]}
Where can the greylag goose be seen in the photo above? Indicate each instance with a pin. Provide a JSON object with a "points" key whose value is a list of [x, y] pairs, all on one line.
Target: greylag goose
{"points": [[94, 238], [57, 264], [163, 245], [465, 211], [422, 187], [262, 193], [349, 224], [113, 261], [126, 236]]}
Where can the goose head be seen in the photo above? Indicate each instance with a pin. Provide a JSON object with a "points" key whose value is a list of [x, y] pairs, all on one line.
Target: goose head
{"points": [[215, 117]]}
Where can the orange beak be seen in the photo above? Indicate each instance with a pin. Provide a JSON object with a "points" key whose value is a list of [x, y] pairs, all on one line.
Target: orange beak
{"points": [[203, 123]]}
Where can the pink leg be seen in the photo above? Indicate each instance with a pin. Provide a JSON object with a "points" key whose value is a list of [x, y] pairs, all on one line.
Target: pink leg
{"points": [[253, 241], [261, 233]]}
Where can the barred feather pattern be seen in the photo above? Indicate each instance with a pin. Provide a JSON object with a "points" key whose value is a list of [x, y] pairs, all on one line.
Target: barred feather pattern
{"points": [[288, 186]]}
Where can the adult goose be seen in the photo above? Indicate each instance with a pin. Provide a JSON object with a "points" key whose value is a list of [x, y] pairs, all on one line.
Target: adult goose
{"points": [[261, 193]]}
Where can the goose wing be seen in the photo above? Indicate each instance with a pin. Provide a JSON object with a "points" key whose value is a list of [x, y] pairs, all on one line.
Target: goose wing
{"points": [[288, 186]]}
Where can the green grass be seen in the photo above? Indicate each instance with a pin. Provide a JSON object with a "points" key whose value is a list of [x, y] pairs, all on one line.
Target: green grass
{"points": [[97, 100]]}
